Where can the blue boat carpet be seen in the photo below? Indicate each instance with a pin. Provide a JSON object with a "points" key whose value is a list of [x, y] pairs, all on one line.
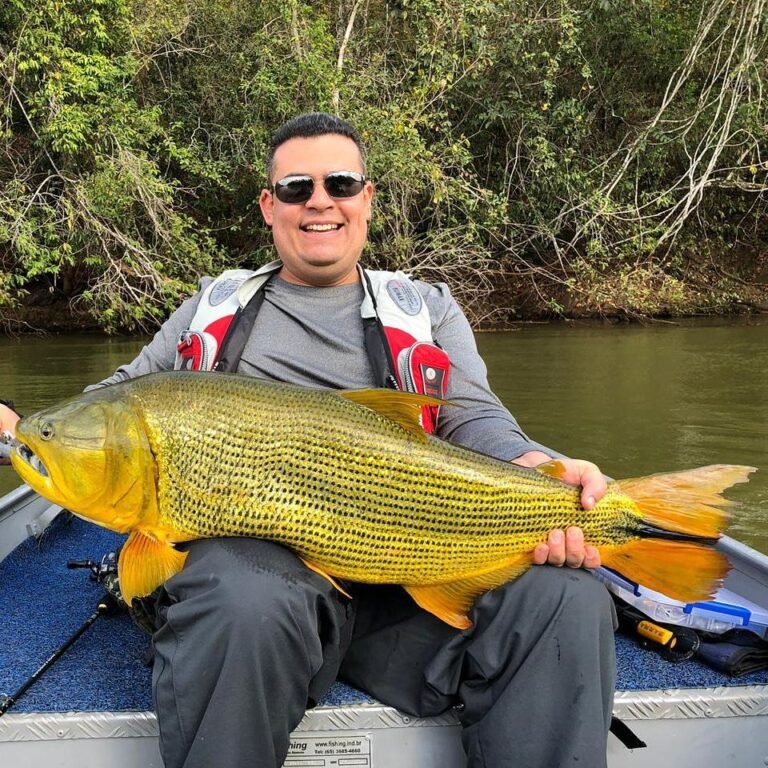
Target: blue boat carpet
{"points": [[42, 603]]}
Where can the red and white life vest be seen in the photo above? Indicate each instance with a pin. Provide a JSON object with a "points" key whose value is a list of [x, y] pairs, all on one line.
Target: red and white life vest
{"points": [[199, 346], [392, 307]]}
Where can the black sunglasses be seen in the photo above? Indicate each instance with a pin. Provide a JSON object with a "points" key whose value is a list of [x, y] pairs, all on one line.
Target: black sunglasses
{"points": [[298, 189]]}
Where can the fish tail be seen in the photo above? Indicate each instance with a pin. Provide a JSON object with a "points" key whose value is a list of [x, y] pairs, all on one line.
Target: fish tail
{"points": [[683, 514], [689, 502]]}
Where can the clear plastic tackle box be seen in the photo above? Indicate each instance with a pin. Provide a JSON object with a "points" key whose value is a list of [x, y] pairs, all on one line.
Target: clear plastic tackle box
{"points": [[726, 611]]}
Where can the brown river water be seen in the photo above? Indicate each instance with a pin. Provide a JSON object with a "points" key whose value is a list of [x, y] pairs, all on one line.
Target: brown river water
{"points": [[636, 399]]}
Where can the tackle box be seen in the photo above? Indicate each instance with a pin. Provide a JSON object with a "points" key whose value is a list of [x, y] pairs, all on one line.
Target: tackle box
{"points": [[726, 611]]}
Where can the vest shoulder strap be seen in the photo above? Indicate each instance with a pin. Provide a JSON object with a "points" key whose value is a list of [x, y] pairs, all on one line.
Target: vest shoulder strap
{"points": [[215, 325]]}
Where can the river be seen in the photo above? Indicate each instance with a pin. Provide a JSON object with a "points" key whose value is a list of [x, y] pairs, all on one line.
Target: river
{"points": [[635, 399]]}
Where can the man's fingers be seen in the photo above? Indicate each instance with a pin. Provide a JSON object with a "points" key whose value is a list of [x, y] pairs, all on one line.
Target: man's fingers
{"points": [[8, 419], [591, 557], [594, 485], [566, 548], [540, 554], [556, 543], [6, 437], [574, 547]]}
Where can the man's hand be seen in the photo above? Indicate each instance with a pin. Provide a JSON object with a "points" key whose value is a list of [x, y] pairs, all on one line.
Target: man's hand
{"points": [[8, 419], [568, 547]]}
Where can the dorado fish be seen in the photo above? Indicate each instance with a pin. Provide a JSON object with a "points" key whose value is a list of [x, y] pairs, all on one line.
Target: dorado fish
{"points": [[349, 481]]}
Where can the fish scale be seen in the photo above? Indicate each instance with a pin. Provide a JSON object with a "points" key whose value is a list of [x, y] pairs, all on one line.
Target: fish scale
{"points": [[335, 482]]}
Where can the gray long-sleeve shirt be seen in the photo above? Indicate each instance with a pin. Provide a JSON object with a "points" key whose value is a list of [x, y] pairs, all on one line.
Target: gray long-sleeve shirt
{"points": [[314, 337]]}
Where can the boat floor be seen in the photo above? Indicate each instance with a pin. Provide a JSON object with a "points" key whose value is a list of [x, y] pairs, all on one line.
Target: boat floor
{"points": [[42, 603]]}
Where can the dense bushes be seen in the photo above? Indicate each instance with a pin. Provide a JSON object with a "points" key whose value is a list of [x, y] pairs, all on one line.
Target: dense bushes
{"points": [[584, 155]]}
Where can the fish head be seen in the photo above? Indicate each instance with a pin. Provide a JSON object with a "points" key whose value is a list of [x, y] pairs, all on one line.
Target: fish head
{"points": [[90, 454]]}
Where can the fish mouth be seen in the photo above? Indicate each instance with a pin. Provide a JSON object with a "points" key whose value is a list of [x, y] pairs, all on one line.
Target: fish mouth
{"points": [[30, 458]]}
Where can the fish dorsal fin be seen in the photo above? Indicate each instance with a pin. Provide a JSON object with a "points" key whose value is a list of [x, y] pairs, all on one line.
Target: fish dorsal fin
{"points": [[145, 563], [451, 601], [401, 407]]}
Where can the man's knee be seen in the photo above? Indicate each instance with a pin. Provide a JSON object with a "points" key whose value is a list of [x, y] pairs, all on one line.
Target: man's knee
{"points": [[546, 593], [574, 589], [243, 586]]}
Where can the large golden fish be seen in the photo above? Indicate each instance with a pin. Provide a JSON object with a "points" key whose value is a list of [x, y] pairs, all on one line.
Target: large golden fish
{"points": [[350, 482]]}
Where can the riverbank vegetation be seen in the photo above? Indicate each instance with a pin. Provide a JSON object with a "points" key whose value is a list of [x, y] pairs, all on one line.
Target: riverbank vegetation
{"points": [[576, 158]]}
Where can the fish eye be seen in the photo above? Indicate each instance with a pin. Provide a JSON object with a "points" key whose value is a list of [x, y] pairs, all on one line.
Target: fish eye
{"points": [[47, 431]]}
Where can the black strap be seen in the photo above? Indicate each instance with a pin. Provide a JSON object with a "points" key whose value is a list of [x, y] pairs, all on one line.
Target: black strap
{"points": [[626, 735], [238, 332], [376, 345], [379, 353]]}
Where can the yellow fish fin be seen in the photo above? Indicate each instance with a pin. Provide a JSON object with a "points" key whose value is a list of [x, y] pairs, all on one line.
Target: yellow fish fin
{"points": [[554, 468], [684, 571], [145, 563], [319, 570], [402, 407], [687, 502], [452, 600]]}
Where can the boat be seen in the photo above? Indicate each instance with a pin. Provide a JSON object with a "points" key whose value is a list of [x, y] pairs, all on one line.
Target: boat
{"points": [[93, 705]]}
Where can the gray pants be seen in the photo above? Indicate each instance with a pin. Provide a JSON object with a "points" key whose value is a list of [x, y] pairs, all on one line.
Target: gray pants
{"points": [[248, 638]]}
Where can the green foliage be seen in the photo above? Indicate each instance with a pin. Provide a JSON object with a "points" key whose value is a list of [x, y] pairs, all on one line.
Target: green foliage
{"points": [[576, 150], [84, 204]]}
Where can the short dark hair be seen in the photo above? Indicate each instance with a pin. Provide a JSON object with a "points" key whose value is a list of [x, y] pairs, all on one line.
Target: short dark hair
{"points": [[307, 126]]}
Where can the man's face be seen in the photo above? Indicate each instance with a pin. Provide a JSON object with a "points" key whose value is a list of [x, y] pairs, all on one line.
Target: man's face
{"points": [[319, 241]]}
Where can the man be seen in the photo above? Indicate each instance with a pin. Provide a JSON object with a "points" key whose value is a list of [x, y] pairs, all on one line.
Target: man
{"points": [[247, 637]]}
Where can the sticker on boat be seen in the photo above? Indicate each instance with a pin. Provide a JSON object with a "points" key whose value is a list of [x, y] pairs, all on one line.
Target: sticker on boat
{"points": [[330, 752]]}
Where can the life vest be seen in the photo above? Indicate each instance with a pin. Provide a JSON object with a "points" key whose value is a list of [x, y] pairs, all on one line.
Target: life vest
{"points": [[396, 325], [200, 346]]}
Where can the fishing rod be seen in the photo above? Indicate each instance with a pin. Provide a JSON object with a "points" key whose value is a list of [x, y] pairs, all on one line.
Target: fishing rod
{"points": [[104, 572]]}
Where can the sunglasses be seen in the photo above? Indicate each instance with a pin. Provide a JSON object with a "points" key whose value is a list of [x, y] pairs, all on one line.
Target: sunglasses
{"points": [[298, 189]]}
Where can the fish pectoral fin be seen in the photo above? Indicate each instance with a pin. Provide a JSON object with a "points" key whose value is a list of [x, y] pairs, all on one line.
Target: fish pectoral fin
{"points": [[451, 601], [401, 407], [319, 570], [684, 571], [145, 563]]}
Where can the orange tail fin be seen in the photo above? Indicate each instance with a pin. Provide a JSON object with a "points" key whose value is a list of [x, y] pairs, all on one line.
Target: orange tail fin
{"points": [[689, 504], [681, 570]]}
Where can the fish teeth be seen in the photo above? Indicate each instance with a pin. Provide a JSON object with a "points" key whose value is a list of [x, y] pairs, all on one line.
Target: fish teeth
{"points": [[33, 460], [39, 466]]}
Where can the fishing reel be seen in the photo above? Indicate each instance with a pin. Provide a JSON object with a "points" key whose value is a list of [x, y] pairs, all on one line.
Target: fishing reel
{"points": [[104, 572]]}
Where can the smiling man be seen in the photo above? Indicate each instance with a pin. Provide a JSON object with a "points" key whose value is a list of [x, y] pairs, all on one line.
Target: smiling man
{"points": [[318, 238], [247, 636]]}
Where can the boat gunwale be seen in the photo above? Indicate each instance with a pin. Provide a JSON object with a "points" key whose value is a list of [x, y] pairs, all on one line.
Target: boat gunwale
{"points": [[661, 704]]}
